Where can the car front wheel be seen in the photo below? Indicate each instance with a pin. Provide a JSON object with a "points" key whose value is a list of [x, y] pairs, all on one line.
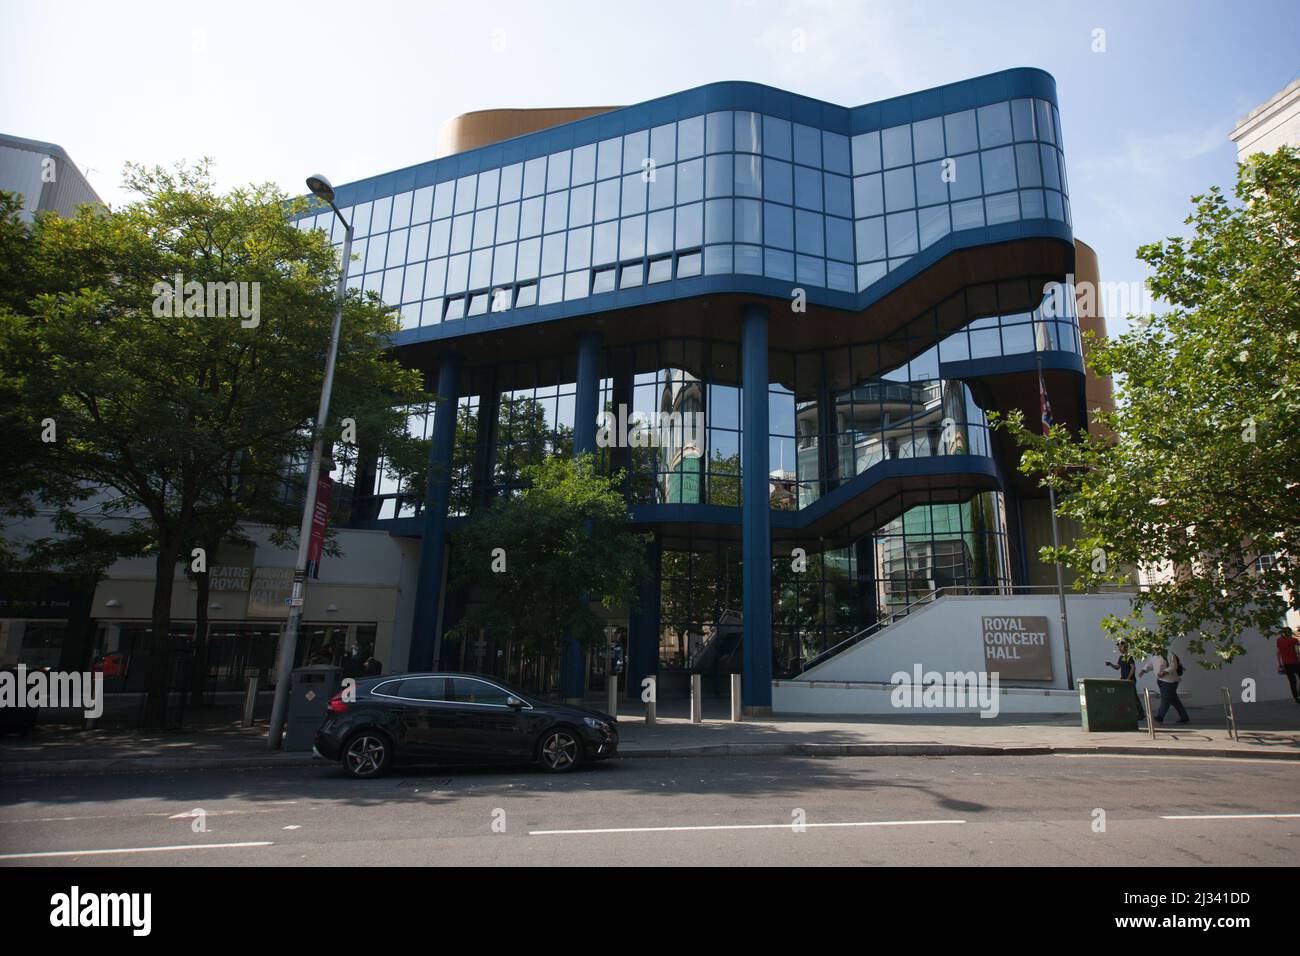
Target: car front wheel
{"points": [[560, 750], [368, 754]]}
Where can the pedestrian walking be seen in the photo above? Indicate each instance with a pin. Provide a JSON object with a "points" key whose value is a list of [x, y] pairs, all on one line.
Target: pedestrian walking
{"points": [[1169, 673], [1288, 660], [1127, 668]]}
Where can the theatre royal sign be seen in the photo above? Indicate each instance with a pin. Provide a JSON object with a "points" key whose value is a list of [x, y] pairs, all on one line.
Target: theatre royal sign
{"points": [[1017, 647]]}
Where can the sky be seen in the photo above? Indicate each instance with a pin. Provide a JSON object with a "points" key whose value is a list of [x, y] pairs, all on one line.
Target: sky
{"points": [[276, 90]]}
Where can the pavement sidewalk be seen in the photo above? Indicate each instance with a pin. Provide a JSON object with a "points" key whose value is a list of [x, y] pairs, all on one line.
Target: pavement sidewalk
{"points": [[1269, 730]]}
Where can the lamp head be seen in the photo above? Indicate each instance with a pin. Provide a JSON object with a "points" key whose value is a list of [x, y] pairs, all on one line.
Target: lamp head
{"points": [[321, 187]]}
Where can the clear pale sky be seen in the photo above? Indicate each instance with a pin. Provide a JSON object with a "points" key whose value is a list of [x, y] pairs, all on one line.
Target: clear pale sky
{"points": [[275, 90]]}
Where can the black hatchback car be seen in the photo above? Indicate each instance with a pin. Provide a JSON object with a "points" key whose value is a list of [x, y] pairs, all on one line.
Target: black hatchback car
{"points": [[457, 718]]}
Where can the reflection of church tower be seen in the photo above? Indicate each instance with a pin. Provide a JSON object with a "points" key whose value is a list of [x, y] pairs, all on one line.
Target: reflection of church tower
{"points": [[682, 451]]}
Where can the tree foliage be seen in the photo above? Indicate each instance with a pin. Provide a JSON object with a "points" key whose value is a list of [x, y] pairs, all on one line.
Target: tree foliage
{"points": [[565, 543], [1199, 485]]}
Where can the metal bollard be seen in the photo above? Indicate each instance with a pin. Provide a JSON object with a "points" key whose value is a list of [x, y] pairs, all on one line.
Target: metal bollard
{"points": [[736, 712], [611, 694], [250, 702], [1151, 717], [697, 698]]}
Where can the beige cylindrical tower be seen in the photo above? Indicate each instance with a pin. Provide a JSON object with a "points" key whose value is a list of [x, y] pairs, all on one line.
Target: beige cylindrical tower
{"points": [[484, 127], [1099, 392]]}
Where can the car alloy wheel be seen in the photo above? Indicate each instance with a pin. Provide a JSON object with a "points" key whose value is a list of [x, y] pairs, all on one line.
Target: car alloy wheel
{"points": [[560, 751], [366, 756]]}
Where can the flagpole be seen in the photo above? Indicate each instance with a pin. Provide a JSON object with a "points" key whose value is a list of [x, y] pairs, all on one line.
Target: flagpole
{"points": [[1044, 409]]}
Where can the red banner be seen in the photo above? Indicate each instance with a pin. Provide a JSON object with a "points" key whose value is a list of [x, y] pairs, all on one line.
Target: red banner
{"points": [[319, 519]]}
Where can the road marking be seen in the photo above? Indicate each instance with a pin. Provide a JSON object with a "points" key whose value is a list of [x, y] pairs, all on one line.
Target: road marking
{"points": [[1234, 816], [164, 813], [748, 826], [134, 849]]}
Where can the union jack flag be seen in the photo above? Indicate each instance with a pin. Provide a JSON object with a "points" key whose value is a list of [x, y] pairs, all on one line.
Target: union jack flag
{"points": [[1045, 407]]}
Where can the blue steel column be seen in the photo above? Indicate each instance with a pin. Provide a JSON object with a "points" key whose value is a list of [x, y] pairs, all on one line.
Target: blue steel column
{"points": [[586, 406], [437, 491], [756, 527]]}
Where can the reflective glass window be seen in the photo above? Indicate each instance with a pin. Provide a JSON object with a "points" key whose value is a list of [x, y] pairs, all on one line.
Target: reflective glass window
{"points": [[575, 285], [417, 247], [999, 169], [636, 150], [422, 205], [839, 238], [609, 158], [749, 260], [381, 211], [584, 164], [631, 238], [959, 128], [578, 254], [933, 225], [1051, 175], [659, 232], [1031, 204], [927, 139], [690, 181], [530, 217], [839, 275], [749, 176], [605, 242], [807, 145], [965, 180], [896, 145], [480, 269], [401, 211], [466, 188], [749, 220], [607, 199], [557, 171], [662, 185], [835, 153], [487, 188], [535, 177], [690, 137], [512, 181], [778, 225], [580, 205], [663, 144], [967, 215], [688, 265], [457, 273], [553, 254], [661, 270], [551, 290], [508, 222], [808, 188], [439, 238], [900, 192], [870, 239], [777, 183], [808, 235], [530, 251], [995, 125], [718, 260], [717, 220], [810, 270], [900, 228], [868, 196], [485, 228], [777, 264], [839, 194], [718, 176], [719, 135], [442, 199], [749, 132], [1028, 171], [930, 185], [866, 153], [1022, 119], [776, 137], [462, 232], [503, 264], [1043, 121], [435, 278], [690, 225], [557, 212], [634, 193]]}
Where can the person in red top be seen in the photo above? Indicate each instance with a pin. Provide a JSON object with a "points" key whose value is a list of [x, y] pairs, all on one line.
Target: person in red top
{"points": [[1288, 662]]}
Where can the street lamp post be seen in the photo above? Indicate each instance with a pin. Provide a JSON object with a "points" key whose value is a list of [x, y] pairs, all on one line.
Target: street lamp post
{"points": [[321, 188]]}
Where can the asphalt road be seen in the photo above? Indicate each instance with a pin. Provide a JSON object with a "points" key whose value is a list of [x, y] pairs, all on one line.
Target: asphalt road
{"points": [[1026, 811]]}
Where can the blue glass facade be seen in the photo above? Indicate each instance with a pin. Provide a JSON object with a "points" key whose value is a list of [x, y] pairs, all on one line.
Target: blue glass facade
{"points": [[920, 237]]}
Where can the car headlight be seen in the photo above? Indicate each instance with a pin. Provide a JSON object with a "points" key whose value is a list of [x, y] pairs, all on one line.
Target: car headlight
{"points": [[596, 724]]}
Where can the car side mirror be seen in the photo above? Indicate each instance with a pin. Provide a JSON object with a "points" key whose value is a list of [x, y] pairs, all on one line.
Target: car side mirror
{"points": [[514, 702]]}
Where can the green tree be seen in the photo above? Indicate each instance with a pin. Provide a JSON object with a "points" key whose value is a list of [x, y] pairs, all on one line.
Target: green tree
{"points": [[188, 413], [565, 543], [1200, 477]]}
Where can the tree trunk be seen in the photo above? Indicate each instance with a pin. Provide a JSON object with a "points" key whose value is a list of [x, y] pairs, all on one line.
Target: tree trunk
{"points": [[199, 669], [157, 677]]}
